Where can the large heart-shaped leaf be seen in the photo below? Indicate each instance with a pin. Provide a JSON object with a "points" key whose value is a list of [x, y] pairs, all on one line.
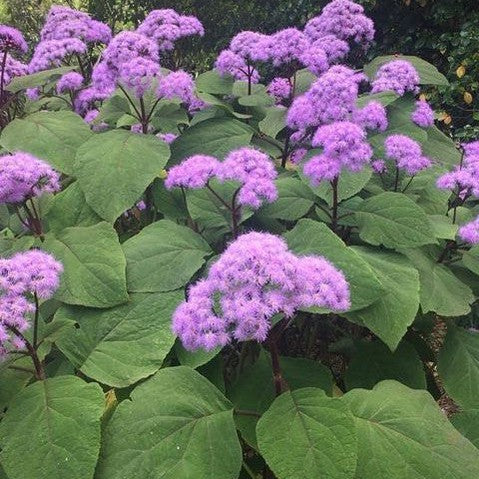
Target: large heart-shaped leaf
{"points": [[176, 426], [114, 169], [403, 433], [163, 256], [52, 430], [458, 366], [53, 136], [306, 435], [94, 265], [313, 238], [395, 221], [122, 345], [395, 310]]}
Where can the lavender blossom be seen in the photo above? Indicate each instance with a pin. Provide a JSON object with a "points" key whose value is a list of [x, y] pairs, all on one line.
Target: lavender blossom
{"points": [[50, 53], [423, 115], [12, 39], [399, 76], [279, 89], [230, 63], [177, 84], [406, 153], [470, 232], [373, 116], [69, 82], [251, 46], [254, 279], [168, 138], [287, 46], [194, 172], [22, 176]]}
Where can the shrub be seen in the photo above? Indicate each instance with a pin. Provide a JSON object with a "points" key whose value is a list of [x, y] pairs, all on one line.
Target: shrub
{"points": [[212, 277]]}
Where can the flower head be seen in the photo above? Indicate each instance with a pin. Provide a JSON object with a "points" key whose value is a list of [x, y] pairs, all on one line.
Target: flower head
{"points": [[230, 63], [50, 53], [22, 176], [279, 88], [194, 172], [254, 279], [423, 115], [168, 138], [287, 46], [251, 46], [177, 84], [470, 232], [12, 39], [399, 76], [373, 116], [138, 75], [69, 82], [406, 153]]}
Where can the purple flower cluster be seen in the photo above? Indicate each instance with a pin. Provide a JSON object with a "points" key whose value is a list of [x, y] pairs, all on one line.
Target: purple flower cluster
{"points": [[280, 89], [177, 84], [288, 46], [470, 232], [32, 272], [345, 20], [168, 138], [50, 53], [22, 176], [64, 22], [12, 39], [69, 82], [254, 279], [399, 76], [166, 26], [251, 168], [332, 97], [13, 68], [344, 146], [423, 115], [230, 63], [406, 153], [373, 116]]}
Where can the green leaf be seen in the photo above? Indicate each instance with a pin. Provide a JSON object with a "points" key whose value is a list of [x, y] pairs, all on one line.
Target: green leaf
{"points": [[69, 208], [306, 435], [395, 221], [53, 136], [441, 148], [402, 433], [471, 260], [214, 83], [274, 121], [428, 73], [194, 359], [94, 266], [312, 237], [10, 246], [176, 426], [294, 200], [114, 169], [350, 183], [384, 97], [254, 389], [258, 99], [163, 257], [304, 79], [441, 291], [467, 423], [458, 366], [52, 430], [215, 137], [443, 227], [395, 310], [373, 362], [122, 345], [37, 79]]}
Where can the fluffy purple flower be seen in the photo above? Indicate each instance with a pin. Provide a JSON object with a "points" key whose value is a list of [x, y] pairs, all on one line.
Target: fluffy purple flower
{"points": [[423, 115], [90, 116], [50, 53], [12, 39], [373, 116], [315, 59], [254, 279], [230, 63], [251, 46], [399, 76], [255, 172], [344, 146], [470, 232], [344, 19], [69, 82], [168, 138], [33, 94], [13, 68], [297, 155], [287, 46], [471, 149], [279, 88], [194, 172], [332, 97], [379, 166], [335, 48], [32, 272], [177, 84], [87, 98], [406, 153], [22, 176], [166, 26], [138, 75]]}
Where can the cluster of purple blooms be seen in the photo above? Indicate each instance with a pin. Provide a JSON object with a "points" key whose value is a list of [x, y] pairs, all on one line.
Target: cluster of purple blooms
{"points": [[22, 176], [251, 168], [12, 40], [398, 76], [69, 82], [21, 276], [323, 42], [66, 33], [256, 278], [464, 180]]}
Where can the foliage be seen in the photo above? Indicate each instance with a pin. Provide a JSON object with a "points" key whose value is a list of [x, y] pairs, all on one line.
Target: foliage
{"points": [[101, 387]]}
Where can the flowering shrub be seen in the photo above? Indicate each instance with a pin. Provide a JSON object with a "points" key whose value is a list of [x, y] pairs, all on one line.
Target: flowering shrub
{"points": [[210, 277]]}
